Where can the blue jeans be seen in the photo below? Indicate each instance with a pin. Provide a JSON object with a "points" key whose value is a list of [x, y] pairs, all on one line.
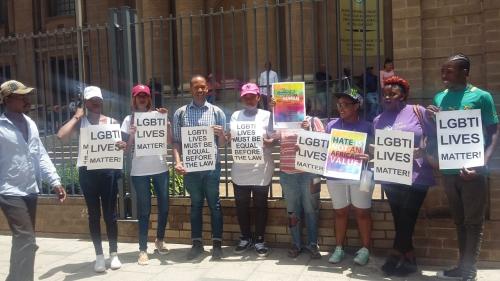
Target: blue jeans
{"points": [[302, 197], [201, 185], [372, 105], [142, 185]]}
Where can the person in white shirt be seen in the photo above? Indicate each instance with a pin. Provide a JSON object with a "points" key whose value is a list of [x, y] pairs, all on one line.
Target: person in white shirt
{"points": [[252, 180], [23, 163], [147, 169], [266, 79]]}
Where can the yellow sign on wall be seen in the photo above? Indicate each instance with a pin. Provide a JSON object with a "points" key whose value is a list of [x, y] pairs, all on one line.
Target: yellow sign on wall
{"points": [[357, 26]]}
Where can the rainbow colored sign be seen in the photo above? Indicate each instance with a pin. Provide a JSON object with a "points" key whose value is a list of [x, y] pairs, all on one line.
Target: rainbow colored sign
{"points": [[340, 162], [290, 108]]}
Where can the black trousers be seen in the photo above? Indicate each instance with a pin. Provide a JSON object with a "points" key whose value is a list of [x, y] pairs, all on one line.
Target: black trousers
{"points": [[405, 204], [243, 195], [100, 190], [20, 212]]}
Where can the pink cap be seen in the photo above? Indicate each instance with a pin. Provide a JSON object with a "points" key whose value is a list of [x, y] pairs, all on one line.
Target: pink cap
{"points": [[249, 88], [137, 89]]}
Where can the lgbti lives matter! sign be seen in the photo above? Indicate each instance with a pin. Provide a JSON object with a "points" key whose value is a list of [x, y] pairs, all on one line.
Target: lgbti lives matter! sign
{"points": [[247, 139], [101, 146], [290, 108], [312, 152], [340, 162], [151, 133], [393, 156], [198, 148], [460, 139]]}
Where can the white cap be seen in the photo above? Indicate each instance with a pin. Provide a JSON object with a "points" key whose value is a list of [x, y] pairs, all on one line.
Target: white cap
{"points": [[92, 92]]}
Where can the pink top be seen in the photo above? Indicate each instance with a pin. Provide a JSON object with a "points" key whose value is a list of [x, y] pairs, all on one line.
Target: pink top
{"points": [[384, 75]]}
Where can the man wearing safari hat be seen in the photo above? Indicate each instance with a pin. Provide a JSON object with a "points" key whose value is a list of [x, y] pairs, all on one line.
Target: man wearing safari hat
{"points": [[23, 163]]}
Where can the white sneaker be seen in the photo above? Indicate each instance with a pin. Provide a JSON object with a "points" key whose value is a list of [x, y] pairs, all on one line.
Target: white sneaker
{"points": [[160, 247], [143, 258], [100, 264], [114, 261]]}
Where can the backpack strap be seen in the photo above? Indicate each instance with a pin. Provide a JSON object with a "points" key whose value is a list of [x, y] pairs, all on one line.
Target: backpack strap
{"points": [[420, 116]]}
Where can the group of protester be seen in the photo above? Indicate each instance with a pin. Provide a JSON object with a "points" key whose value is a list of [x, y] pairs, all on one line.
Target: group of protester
{"points": [[22, 152]]}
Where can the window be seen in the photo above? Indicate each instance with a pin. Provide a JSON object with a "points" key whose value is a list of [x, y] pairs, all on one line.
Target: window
{"points": [[61, 8], [3, 12], [5, 74]]}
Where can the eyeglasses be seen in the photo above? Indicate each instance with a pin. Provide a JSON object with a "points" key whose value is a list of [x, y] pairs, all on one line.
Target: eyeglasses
{"points": [[344, 105]]}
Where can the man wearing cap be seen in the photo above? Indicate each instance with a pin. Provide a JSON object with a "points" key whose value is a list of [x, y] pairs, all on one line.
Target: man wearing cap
{"points": [[252, 179], [203, 184], [23, 163]]}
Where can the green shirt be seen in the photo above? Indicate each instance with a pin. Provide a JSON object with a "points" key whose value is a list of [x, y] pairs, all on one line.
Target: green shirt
{"points": [[469, 98]]}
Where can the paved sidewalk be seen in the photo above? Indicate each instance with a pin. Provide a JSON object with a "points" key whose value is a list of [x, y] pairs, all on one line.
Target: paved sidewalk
{"points": [[72, 259]]}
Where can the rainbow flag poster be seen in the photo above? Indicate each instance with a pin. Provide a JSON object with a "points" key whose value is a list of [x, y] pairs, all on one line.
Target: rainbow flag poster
{"points": [[290, 108], [340, 162]]}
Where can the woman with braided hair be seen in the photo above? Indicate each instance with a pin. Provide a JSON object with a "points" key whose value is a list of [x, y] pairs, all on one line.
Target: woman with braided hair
{"points": [[405, 201]]}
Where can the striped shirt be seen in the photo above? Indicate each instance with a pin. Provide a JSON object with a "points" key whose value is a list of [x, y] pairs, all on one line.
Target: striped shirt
{"points": [[192, 115], [287, 146]]}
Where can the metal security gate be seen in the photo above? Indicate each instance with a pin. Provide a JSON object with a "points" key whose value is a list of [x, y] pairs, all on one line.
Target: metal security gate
{"points": [[321, 42]]}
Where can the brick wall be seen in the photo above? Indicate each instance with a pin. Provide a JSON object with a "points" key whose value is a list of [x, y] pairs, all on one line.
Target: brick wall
{"points": [[434, 237]]}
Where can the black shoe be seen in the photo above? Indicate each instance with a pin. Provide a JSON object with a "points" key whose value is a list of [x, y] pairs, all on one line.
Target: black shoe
{"points": [[390, 265], [469, 275], [261, 249], [314, 251], [196, 250], [454, 273], [217, 250], [407, 267], [243, 245]]}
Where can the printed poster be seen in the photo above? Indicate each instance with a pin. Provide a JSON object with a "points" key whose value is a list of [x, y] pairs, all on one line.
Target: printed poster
{"points": [[340, 163], [290, 108]]}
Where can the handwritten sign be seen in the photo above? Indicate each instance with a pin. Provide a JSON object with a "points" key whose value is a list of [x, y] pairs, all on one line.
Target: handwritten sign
{"points": [[340, 162], [247, 142], [151, 134], [102, 150], [393, 156], [198, 148], [460, 139]]}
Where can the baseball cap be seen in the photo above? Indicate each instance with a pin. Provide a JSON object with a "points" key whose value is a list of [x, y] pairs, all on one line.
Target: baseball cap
{"points": [[137, 89], [13, 87], [92, 92], [353, 94], [249, 88]]}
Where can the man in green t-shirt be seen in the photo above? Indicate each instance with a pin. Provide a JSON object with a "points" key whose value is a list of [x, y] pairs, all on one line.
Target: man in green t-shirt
{"points": [[466, 189]]}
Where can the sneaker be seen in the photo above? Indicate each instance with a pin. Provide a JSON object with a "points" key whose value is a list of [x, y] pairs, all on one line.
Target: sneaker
{"points": [[160, 248], [314, 251], [337, 255], [294, 252], [100, 264], [261, 249], [391, 263], [217, 250], [454, 273], [196, 250], [143, 258], [242, 246], [114, 261], [406, 267], [362, 256]]}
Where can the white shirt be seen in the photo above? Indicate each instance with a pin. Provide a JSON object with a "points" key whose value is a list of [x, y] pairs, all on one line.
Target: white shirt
{"points": [[145, 165], [273, 78], [254, 174], [23, 163]]}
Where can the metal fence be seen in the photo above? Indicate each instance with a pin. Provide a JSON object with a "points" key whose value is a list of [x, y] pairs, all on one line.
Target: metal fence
{"points": [[305, 40]]}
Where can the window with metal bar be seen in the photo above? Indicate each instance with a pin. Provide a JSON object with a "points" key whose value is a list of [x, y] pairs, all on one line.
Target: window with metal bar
{"points": [[61, 8]]}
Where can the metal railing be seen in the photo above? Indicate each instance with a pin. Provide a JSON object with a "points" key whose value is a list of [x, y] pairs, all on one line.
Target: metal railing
{"points": [[305, 40]]}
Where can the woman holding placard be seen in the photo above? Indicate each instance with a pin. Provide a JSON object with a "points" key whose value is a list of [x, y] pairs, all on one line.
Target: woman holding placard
{"points": [[346, 193], [252, 178], [146, 170], [405, 201], [99, 186]]}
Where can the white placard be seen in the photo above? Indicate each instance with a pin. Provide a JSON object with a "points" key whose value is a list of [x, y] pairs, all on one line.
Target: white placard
{"points": [[460, 139], [198, 148], [312, 152], [394, 156], [102, 150], [83, 148], [247, 140], [151, 133]]}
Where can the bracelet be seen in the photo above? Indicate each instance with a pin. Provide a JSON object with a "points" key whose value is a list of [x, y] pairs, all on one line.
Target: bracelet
{"points": [[77, 118]]}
